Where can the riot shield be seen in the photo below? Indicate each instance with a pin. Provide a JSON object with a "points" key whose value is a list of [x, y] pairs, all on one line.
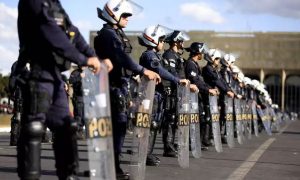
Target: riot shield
{"points": [[254, 118], [215, 116], [183, 108], [244, 119], [229, 121], [249, 119], [195, 125], [238, 119], [142, 107], [263, 115], [97, 116], [275, 122]]}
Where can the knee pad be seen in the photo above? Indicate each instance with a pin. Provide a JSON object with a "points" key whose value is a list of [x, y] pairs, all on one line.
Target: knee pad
{"points": [[34, 129], [29, 150]]}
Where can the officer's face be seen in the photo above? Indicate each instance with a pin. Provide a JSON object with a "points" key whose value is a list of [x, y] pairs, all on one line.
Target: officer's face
{"points": [[217, 61], [199, 56], [160, 45], [123, 21]]}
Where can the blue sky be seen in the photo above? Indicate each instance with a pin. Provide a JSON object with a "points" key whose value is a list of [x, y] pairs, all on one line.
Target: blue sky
{"points": [[216, 15]]}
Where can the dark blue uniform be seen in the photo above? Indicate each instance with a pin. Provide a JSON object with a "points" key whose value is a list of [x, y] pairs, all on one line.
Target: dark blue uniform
{"points": [[194, 74], [175, 65], [113, 44], [213, 78], [152, 60], [46, 40]]}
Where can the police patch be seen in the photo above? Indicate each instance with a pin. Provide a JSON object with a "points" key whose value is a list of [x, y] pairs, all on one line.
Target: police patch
{"points": [[193, 73]]}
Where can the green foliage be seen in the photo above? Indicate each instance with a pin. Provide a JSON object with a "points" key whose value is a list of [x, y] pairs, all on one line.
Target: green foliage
{"points": [[3, 85]]}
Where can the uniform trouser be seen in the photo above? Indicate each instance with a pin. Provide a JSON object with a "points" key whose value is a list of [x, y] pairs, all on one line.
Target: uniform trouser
{"points": [[206, 126], [156, 118], [223, 119], [46, 103], [169, 128], [119, 121]]}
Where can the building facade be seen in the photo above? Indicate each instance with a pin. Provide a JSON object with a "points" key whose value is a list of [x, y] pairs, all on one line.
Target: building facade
{"points": [[270, 57]]}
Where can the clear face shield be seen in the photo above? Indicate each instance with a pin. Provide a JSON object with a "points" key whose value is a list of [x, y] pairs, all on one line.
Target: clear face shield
{"points": [[181, 38], [128, 8], [162, 32]]}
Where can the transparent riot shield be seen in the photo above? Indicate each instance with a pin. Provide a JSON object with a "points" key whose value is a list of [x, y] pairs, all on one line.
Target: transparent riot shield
{"points": [[195, 125], [183, 110], [97, 115], [229, 121], [215, 116], [249, 119], [254, 118], [238, 119], [268, 123], [274, 120], [244, 119], [142, 107], [263, 115]]}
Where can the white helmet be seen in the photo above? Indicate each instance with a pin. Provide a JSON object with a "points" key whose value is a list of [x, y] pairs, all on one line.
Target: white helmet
{"points": [[153, 34], [247, 81], [235, 69], [212, 55], [261, 87], [114, 9], [255, 83], [229, 58]]}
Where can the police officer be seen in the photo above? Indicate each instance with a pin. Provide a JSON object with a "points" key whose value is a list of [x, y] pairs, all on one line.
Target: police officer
{"points": [[213, 78], [226, 62], [174, 63], [194, 74], [153, 38], [77, 99], [111, 42], [50, 42]]}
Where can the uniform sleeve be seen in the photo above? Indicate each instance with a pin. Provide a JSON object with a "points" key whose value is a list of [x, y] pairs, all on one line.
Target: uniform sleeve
{"points": [[81, 44], [54, 35], [124, 59], [192, 75], [155, 65]]}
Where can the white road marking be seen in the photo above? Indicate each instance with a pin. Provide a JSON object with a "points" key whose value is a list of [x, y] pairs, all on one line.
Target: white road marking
{"points": [[243, 170]]}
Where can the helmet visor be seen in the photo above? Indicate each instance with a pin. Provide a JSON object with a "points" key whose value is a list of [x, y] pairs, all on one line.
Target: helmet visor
{"points": [[162, 31], [128, 7]]}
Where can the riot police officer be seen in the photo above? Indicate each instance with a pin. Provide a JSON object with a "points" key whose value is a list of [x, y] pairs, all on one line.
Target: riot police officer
{"points": [[50, 42], [111, 42], [226, 62], [174, 63], [213, 78], [77, 99], [194, 74], [153, 38]]}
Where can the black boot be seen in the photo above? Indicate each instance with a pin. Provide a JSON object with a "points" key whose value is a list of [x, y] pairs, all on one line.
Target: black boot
{"points": [[120, 174], [152, 160]]}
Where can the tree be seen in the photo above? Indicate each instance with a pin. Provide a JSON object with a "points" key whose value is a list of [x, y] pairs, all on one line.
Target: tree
{"points": [[3, 85]]}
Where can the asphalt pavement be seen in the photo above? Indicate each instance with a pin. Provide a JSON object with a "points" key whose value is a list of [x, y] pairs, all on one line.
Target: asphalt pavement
{"points": [[275, 157]]}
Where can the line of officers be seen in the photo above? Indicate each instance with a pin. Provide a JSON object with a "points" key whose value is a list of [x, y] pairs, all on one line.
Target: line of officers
{"points": [[49, 42]]}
